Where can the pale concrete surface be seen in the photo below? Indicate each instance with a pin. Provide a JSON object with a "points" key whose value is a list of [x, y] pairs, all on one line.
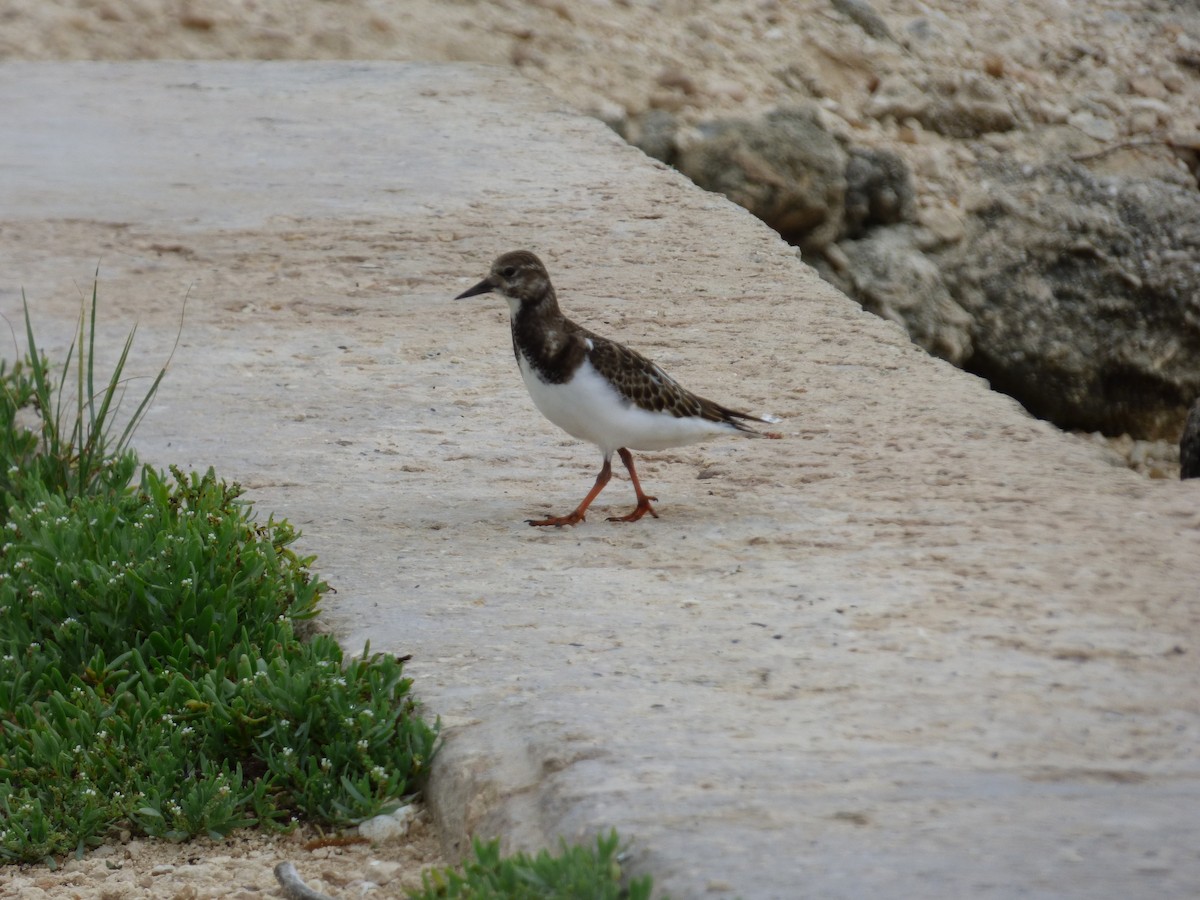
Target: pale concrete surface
{"points": [[924, 647]]}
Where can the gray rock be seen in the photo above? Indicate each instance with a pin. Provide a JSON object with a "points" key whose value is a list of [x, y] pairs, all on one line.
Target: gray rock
{"points": [[879, 190], [1085, 293], [864, 16], [1189, 444], [956, 104], [891, 277], [653, 132], [786, 169]]}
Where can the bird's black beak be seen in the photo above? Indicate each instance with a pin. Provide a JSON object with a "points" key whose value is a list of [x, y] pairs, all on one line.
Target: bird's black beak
{"points": [[483, 287]]}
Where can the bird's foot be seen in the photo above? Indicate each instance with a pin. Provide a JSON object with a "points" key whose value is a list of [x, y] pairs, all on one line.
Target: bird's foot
{"points": [[640, 510], [558, 521]]}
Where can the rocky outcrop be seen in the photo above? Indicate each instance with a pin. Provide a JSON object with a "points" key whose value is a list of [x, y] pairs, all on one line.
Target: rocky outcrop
{"points": [[890, 276], [1084, 293], [1076, 290], [787, 169]]}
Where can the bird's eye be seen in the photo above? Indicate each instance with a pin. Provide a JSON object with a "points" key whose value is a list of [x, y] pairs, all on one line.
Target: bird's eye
{"points": [[508, 271]]}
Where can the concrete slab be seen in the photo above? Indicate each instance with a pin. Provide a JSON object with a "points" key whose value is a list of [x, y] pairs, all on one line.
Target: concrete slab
{"points": [[924, 647]]}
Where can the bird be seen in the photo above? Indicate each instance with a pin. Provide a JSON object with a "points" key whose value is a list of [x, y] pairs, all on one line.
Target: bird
{"points": [[596, 389]]}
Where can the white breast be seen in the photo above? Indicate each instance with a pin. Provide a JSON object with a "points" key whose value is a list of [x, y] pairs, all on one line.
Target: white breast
{"points": [[589, 408]]}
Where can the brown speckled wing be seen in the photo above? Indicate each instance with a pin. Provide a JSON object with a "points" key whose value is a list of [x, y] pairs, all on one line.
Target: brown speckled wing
{"points": [[642, 382]]}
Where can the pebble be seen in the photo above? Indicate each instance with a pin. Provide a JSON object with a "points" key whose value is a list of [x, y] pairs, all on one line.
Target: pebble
{"points": [[389, 827], [1142, 121], [948, 225], [1093, 126], [383, 871], [1148, 86]]}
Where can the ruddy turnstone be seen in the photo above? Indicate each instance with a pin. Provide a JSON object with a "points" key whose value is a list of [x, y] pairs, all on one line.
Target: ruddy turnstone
{"points": [[598, 390]]}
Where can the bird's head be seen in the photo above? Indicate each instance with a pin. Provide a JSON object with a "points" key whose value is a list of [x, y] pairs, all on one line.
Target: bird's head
{"points": [[518, 277]]}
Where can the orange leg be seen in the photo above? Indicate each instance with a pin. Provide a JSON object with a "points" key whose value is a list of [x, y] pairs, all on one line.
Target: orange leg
{"points": [[576, 517], [643, 501]]}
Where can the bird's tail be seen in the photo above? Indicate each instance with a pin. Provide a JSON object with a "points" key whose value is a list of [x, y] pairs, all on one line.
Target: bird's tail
{"points": [[739, 419]]}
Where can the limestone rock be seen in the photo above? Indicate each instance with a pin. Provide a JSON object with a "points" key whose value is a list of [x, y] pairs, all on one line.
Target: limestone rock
{"points": [[956, 104], [787, 169], [892, 278], [1058, 260], [879, 190]]}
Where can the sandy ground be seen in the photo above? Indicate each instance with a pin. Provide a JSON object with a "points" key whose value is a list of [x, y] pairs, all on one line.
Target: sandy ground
{"points": [[610, 59]]}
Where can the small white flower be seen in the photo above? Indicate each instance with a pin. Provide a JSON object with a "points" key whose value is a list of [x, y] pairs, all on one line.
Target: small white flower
{"points": [[362, 744], [288, 751]]}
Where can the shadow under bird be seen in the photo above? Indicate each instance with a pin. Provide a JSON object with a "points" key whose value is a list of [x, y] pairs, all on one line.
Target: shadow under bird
{"points": [[597, 390]]}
